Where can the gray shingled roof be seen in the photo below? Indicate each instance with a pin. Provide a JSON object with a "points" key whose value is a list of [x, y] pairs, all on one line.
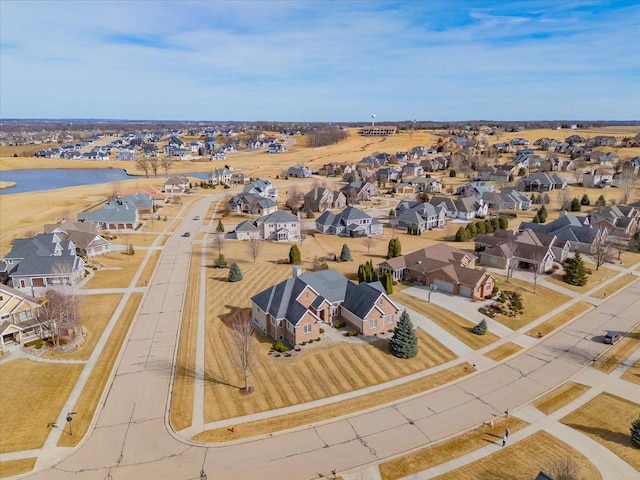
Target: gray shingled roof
{"points": [[361, 298]]}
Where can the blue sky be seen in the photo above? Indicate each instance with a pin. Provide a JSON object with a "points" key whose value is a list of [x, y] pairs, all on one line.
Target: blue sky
{"points": [[320, 60]]}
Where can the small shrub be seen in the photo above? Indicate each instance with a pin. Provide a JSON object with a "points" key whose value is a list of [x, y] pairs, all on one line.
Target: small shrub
{"points": [[288, 354], [480, 328], [339, 324], [303, 343], [352, 333], [311, 340], [318, 339], [280, 347], [276, 354], [321, 331], [297, 349]]}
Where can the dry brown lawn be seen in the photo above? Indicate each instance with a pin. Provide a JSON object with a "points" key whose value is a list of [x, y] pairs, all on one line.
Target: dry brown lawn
{"points": [[595, 278], [40, 390], [88, 400], [149, 268], [535, 305], [118, 270], [615, 286], [559, 397], [629, 259], [454, 324], [503, 351], [633, 373], [607, 419], [560, 319], [619, 352], [525, 459], [337, 409], [11, 468], [95, 312], [448, 450], [136, 239]]}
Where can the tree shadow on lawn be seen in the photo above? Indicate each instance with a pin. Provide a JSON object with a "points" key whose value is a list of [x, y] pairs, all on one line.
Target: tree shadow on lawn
{"points": [[604, 433]]}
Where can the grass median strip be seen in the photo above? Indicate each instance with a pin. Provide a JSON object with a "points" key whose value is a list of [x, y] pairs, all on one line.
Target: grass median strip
{"points": [[613, 357], [559, 397], [560, 319], [149, 268], [31, 397], [88, 401], [632, 374], [525, 459], [607, 419], [615, 286], [448, 450], [336, 409], [16, 467], [503, 351]]}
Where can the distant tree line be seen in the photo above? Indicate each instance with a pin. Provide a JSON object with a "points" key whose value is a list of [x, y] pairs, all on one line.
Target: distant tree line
{"points": [[327, 135]]}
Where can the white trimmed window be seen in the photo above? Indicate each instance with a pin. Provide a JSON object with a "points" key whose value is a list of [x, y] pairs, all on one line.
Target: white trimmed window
{"points": [[307, 329], [373, 323], [389, 318]]}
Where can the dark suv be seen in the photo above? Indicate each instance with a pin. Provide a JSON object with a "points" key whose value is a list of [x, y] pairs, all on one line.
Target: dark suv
{"points": [[611, 338], [186, 234]]}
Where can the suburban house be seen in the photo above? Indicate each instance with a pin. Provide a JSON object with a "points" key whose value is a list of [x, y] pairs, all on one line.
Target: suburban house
{"points": [[460, 207], [298, 172], [525, 250], [294, 310], [506, 199], [18, 318], [280, 226], [142, 202], [253, 204], [42, 261], [247, 230], [412, 170], [351, 222], [444, 268], [387, 174], [597, 178], [578, 231], [84, 235], [264, 188], [424, 216], [620, 221], [541, 182], [239, 178], [499, 173], [176, 185], [404, 189], [320, 199], [357, 192], [114, 216], [221, 176], [426, 185]]}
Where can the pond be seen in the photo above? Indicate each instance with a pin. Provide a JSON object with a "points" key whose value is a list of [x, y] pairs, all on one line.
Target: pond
{"points": [[37, 180]]}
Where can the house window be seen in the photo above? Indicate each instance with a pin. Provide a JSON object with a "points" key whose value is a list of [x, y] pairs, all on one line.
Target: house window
{"points": [[373, 323], [334, 311], [4, 317], [273, 322], [25, 315], [389, 319], [307, 329]]}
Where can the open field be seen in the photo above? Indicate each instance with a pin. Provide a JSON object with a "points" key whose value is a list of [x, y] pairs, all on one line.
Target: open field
{"points": [[560, 319], [615, 286], [525, 459], [88, 400], [613, 357], [337, 409], [503, 351], [40, 390], [596, 420], [559, 397], [95, 312], [118, 270], [632, 374], [448, 450], [11, 468], [535, 305], [454, 324], [595, 278]]}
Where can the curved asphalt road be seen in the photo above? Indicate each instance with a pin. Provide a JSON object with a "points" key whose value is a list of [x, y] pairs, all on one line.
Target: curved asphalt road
{"points": [[131, 439]]}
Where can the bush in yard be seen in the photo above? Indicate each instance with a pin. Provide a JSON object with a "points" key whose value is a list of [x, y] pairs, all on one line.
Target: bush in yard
{"points": [[575, 205], [221, 262], [345, 253], [352, 333], [235, 275], [220, 228], [294, 254], [480, 328], [585, 200], [462, 235], [404, 343], [321, 331], [601, 202], [635, 433], [394, 248], [280, 347]]}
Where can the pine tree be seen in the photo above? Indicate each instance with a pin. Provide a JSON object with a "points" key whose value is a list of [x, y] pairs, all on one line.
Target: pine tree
{"points": [[585, 200], [294, 254], [404, 343], [461, 235], [575, 205], [482, 228], [543, 214], [235, 275], [536, 219], [481, 328], [488, 226], [635, 433], [220, 228], [601, 202], [394, 249], [503, 222], [575, 273], [472, 230], [345, 253], [221, 262], [387, 282]]}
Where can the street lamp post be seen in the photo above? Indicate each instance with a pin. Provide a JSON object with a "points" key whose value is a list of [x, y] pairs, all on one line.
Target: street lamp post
{"points": [[69, 419], [432, 288]]}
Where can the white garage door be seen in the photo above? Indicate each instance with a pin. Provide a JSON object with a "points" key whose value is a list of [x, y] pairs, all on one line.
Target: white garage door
{"points": [[443, 286], [465, 291]]}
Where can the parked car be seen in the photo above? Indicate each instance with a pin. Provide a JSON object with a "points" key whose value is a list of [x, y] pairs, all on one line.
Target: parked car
{"points": [[197, 217], [186, 234], [611, 338]]}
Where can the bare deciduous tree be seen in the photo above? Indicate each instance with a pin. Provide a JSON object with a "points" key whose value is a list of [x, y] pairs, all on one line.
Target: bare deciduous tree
{"points": [[142, 163], [166, 163], [578, 169], [295, 198], [218, 242], [602, 252], [114, 186], [565, 469], [368, 242], [154, 164], [254, 248], [244, 348], [59, 313], [626, 184]]}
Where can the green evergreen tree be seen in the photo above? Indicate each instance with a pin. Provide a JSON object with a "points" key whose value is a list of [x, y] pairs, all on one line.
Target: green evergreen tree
{"points": [[461, 235], [635, 433], [601, 202], [220, 228], [504, 222], [394, 249], [543, 214], [452, 173], [575, 205], [235, 275], [585, 200], [294, 254], [360, 273], [482, 228], [575, 273], [495, 223], [221, 262], [534, 198], [481, 328], [472, 230], [536, 219], [488, 226], [388, 283], [310, 214], [345, 253], [404, 343]]}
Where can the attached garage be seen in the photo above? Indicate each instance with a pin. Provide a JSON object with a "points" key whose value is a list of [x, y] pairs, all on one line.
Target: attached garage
{"points": [[465, 291], [443, 286]]}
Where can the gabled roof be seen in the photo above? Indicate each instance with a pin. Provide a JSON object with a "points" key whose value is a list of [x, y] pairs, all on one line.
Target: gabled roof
{"points": [[361, 298], [41, 245], [344, 218], [278, 217]]}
